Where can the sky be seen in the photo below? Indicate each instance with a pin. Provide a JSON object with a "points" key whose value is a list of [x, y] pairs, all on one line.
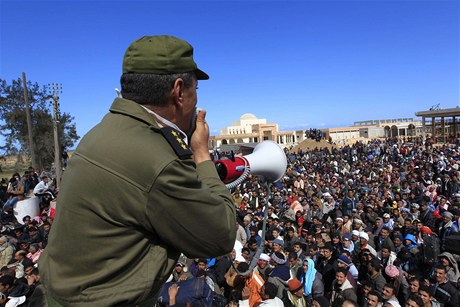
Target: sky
{"points": [[300, 64]]}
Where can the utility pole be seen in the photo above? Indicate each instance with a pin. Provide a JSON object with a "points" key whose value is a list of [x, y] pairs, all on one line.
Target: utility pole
{"points": [[29, 123], [55, 90]]}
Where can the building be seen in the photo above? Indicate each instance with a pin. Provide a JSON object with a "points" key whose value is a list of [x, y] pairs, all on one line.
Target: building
{"points": [[440, 124], [249, 129], [372, 129]]}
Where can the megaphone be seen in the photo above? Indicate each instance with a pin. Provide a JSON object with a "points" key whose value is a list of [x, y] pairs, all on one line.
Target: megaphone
{"points": [[267, 159]]}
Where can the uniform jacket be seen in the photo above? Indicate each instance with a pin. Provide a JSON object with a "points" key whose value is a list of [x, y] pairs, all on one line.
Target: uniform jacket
{"points": [[131, 200]]}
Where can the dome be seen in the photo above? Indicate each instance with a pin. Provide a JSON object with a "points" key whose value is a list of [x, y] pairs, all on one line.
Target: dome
{"points": [[248, 116]]}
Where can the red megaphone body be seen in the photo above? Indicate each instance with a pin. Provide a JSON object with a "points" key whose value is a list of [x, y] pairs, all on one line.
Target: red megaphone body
{"points": [[230, 170], [267, 160]]}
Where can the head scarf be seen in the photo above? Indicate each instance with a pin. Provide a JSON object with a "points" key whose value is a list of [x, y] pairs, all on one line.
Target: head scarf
{"points": [[308, 277]]}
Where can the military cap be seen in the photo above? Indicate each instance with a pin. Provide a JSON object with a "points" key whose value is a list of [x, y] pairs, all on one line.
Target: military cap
{"points": [[161, 55]]}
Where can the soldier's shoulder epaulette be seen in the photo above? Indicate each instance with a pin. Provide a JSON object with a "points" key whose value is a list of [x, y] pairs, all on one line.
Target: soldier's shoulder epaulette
{"points": [[174, 139]]}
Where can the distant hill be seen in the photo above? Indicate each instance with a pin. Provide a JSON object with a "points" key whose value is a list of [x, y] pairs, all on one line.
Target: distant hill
{"points": [[9, 161], [9, 165]]}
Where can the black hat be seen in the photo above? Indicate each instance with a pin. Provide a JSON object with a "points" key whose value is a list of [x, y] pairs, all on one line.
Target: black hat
{"points": [[322, 301]]}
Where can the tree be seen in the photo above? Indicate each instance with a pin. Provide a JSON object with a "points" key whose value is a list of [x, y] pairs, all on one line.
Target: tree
{"points": [[13, 122]]}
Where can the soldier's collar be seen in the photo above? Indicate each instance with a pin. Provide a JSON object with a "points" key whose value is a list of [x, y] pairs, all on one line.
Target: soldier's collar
{"points": [[163, 122], [177, 143]]}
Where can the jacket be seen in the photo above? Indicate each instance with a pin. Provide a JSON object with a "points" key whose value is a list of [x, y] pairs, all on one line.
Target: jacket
{"points": [[453, 273], [342, 293], [445, 293], [6, 254], [131, 200], [327, 269], [317, 288]]}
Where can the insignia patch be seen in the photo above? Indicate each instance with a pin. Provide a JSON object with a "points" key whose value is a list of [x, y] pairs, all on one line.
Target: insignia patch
{"points": [[173, 138]]}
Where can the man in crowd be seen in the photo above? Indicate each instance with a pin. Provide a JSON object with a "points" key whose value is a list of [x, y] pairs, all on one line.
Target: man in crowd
{"points": [[15, 192], [443, 290], [375, 277], [384, 240], [327, 266], [389, 295]]}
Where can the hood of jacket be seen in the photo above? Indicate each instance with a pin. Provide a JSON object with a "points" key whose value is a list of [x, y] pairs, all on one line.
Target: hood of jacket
{"points": [[452, 261]]}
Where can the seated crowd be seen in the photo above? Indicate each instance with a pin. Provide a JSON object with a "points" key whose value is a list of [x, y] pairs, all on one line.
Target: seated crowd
{"points": [[372, 224], [22, 243]]}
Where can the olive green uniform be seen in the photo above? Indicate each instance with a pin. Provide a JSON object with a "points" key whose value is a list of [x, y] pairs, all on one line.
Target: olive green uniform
{"points": [[131, 200]]}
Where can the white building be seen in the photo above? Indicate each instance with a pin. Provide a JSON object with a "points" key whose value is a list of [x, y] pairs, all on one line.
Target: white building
{"points": [[250, 129], [371, 129], [243, 125]]}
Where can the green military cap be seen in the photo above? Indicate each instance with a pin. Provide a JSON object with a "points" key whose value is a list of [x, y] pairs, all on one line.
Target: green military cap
{"points": [[161, 54]]}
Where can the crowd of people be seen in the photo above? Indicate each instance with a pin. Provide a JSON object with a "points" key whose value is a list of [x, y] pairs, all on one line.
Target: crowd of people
{"points": [[22, 242], [371, 224], [314, 134]]}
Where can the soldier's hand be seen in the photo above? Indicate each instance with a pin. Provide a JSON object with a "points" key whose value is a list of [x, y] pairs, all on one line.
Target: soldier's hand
{"points": [[200, 139]]}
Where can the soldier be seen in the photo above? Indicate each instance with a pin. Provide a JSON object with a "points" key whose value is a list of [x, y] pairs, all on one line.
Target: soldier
{"points": [[141, 187]]}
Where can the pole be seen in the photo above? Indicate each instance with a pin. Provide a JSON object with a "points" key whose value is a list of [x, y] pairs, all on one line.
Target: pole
{"points": [[29, 123], [57, 156]]}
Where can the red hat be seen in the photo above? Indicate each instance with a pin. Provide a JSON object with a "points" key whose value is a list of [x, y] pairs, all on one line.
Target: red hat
{"points": [[294, 285], [436, 214], [426, 230]]}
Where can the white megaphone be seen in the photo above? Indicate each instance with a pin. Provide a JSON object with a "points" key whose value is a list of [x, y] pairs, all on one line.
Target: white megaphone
{"points": [[267, 159]]}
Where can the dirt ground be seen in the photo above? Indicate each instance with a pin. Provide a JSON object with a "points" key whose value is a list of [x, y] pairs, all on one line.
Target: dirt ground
{"points": [[312, 144]]}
